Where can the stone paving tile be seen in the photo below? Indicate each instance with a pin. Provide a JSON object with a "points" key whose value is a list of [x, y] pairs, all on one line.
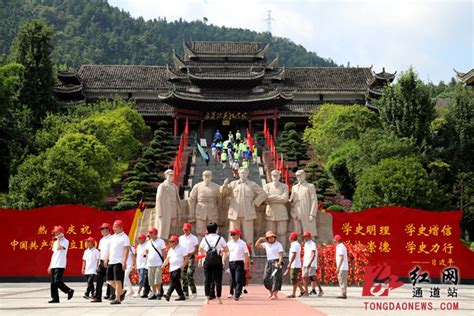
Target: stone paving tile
{"points": [[31, 299]]}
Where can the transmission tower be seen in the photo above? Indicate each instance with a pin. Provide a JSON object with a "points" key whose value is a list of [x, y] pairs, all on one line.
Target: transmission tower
{"points": [[269, 20]]}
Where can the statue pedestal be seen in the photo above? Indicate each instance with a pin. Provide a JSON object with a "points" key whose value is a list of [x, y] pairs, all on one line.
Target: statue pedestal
{"points": [[324, 227]]}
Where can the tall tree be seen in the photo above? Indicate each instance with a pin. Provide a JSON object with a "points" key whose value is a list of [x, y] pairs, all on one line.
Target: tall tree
{"points": [[406, 108], [32, 49]]}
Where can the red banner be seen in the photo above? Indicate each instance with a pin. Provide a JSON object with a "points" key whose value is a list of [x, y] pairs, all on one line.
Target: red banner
{"points": [[27, 238], [404, 238]]}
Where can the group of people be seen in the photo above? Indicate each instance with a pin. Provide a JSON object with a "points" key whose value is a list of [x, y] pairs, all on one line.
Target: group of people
{"points": [[234, 151], [116, 257]]}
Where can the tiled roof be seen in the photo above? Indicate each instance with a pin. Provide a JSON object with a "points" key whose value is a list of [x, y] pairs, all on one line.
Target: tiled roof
{"points": [[226, 48], [299, 108], [123, 77], [328, 78], [153, 107]]}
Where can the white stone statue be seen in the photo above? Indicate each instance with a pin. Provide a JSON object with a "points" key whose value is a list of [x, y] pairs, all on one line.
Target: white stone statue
{"points": [[245, 196], [304, 205], [276, 213], [168, 206], [204, 201]]}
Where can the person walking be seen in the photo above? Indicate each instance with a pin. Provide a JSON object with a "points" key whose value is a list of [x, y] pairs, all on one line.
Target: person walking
{"points": [[57, 265], [212, 246], [239, 262], [310, 264], [116, 261], [102, 270], [141, 267], [154, 252], [191, 244], [342, 265], [90, 265], [131, 264], [272, 277], [177, 258], [294, 266]]}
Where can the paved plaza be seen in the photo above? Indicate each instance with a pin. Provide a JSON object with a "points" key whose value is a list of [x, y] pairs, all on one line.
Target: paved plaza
{"points": [[32, 298]]}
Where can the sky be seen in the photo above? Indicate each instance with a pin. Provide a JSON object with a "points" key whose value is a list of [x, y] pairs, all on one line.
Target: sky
{"points": [[433, 36]]}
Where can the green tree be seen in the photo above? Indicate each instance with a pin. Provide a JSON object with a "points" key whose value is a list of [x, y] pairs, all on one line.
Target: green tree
{"points": [[292, 145], [396, 181], [332, 125], [406, 108], [76, 170], [32, 49]]}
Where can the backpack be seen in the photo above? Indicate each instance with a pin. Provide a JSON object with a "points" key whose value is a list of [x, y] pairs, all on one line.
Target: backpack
{"points": [[212, 255]]}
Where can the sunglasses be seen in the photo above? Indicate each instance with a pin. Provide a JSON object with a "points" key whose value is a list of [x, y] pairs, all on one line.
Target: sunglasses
{"points": [[172, 240], [233, 234]]}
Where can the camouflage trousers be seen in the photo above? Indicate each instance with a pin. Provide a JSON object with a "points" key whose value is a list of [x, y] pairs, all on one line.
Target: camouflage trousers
{"points": [[187, 275]]}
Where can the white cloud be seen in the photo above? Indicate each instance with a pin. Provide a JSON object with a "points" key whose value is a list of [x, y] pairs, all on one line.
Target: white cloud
{"points": [[434, 36]]}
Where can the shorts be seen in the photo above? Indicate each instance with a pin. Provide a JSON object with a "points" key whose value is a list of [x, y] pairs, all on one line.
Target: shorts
{"points": [[294, 272], [142, 272], [309, 272], [115, 272], [154, 275]]}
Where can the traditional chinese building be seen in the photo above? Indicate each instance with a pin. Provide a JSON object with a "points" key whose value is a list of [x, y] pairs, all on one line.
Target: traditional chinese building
{"points": [[467, 78], [226, 85]]}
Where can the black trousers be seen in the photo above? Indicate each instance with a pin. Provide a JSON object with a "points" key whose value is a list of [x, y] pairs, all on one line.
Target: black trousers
{"points": [[175, 283], [100, 279], [213, 273], [57, 283], [237, 274], [90, 284]]}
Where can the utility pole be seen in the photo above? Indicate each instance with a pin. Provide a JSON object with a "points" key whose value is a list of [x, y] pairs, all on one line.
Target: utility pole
{"points": [[269, 20]]}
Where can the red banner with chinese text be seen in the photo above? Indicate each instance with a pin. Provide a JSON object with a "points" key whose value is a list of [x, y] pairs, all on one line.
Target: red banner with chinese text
{"points": [[404, 238], [27, 238]]}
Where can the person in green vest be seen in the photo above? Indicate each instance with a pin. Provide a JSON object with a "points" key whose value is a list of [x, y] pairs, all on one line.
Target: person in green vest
{"points": [[255, 154], [245, 163], [224, 158], [242, 148], [236, 155]]}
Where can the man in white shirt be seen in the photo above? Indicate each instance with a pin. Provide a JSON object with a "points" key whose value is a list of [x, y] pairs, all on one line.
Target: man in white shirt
{"points": [[239, 261], [57, 265], [116, 261], [191, 244], [272, 277], [90, 263], [154, 253], [310, 264], [212, 246], [177, 258], [295, 264], [102, 271], [342, 265], [141, 266]]}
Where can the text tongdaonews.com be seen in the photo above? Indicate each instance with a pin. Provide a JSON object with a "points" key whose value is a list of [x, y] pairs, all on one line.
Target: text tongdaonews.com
{"points": [[411, 306]]}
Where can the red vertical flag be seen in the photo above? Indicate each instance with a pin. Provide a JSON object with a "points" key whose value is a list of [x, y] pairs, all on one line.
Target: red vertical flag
{"points": [[186, 133], [250, 140], [265, 127]]}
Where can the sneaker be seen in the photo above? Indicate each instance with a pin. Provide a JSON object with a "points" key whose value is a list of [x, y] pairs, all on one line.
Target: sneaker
{"points": [[236, 298], [182, 298], [313, 292], [144, 296], [342, 296], [111, 298], [122, 296], [106, 297], [193, 296], [230, 296], [167, 297], [70, 294], [96, 300], [245, 291], [115, 302], [53, 301], [219, 301], [153, 297]]}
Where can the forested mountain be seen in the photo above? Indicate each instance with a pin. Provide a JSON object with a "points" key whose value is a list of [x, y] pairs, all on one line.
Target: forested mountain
{"points": [[92, 31]]}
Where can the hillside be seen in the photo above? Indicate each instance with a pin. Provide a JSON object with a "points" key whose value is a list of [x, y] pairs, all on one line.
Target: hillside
{"points": [[92, 31]]}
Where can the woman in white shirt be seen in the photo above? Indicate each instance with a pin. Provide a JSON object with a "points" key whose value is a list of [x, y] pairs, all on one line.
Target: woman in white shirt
{"points": [[272, 276]]}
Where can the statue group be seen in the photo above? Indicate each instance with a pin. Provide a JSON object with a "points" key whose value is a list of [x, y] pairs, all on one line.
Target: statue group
{"points": [[283, 211]]}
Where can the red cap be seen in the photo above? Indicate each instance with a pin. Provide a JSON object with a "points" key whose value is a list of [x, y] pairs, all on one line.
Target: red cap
{"points": [[174, 238], [105, 225], [118, 223], [337, 238], [307, 234], [235, 231], [58, 229], [90, 239], [294, 236], [187, 226], [141, 236], [153, 230]]}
